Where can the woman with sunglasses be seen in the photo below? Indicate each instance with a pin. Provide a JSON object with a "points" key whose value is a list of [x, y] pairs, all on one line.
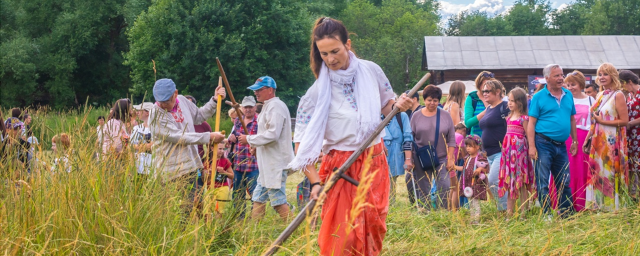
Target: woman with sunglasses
{"points": [[494, 128], [474, 104]]}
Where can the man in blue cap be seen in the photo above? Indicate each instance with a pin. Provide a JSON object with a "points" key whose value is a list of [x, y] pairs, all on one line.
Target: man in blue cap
{"points": [[273, 147], [171, 121]]}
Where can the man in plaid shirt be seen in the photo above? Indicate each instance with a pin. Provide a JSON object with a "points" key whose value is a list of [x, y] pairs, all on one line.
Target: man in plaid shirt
{"points": [[245, 165]]}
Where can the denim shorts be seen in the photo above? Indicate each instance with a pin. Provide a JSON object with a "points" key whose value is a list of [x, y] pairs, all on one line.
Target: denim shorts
{"points": [[277, 196]]}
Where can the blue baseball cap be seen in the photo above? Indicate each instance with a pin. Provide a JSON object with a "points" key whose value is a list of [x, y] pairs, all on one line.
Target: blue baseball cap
{"points": [[163, 89], [262, 82]]}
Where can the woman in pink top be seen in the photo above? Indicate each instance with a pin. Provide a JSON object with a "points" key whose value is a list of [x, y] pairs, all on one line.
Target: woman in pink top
{"points": [[114, 134]]}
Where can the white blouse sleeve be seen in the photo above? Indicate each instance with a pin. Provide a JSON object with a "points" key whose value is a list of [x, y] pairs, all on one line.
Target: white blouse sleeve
{"points": [[303, 116], [386, 92]]}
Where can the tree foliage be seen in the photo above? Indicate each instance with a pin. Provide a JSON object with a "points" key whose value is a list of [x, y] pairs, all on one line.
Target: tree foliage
{"points": [[252, 39], [392, 35], [536, 17], [60, 52]]}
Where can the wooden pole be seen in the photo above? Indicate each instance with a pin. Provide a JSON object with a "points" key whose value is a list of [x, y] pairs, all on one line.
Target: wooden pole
{"points": [[235, 105], [214, 164], [337, 175]]}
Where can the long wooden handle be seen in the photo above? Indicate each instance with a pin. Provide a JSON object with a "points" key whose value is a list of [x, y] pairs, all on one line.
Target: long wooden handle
{"points": [[233, 100], [214, 166], [337, 175]]}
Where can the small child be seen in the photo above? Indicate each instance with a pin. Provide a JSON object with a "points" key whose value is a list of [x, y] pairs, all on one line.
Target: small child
{"points": [[61, 144], [473, 171], [455, 199], [516, 170], [221, 179]]}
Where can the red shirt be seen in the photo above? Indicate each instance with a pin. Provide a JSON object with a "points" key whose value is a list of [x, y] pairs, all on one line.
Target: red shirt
{"points": [[225, 164]]}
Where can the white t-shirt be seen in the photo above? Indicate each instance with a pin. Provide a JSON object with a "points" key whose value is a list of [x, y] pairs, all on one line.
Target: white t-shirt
{"points": [[583, 117], [142, 135]]}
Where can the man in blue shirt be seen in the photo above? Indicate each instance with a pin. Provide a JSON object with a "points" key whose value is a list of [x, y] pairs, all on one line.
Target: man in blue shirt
{"points": [[551, 121]]}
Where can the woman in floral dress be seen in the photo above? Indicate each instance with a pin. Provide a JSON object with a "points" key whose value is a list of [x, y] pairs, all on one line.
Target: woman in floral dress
{"points": [[608, 166], [630, 84]]}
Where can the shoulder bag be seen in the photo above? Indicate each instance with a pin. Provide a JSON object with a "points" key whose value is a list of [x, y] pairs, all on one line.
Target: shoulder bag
{"points": [[427, 155]]}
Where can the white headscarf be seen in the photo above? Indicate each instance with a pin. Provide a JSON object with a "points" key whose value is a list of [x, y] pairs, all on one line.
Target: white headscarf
{"points": [[367, 97]]}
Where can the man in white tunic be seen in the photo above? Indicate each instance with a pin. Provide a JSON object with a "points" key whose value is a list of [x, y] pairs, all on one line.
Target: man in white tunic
{"points": [[274, 149]]}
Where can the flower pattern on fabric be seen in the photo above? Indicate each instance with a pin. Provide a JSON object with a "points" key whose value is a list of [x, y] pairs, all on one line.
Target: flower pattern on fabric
{"points": [[516, 169], [302, 117], [608, 155], [633, 134], [347, 90], [387, 87], [177, 114]]}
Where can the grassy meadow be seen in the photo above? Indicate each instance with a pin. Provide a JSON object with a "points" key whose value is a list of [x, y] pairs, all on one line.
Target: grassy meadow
{"points": [[103, 208]]}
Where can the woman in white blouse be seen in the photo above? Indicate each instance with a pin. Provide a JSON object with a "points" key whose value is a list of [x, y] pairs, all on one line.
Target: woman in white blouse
{"points": [[336, 115]]}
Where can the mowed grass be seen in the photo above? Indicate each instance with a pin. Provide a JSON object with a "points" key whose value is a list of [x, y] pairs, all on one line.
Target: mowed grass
{"points": [[104, 208]]}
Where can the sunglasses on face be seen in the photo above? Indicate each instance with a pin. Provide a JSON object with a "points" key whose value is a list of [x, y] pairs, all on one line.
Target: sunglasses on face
{"points": [[487, 91]]}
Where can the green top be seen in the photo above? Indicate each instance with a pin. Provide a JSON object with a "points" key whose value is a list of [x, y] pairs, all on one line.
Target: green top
{"points": [[470, 116]]}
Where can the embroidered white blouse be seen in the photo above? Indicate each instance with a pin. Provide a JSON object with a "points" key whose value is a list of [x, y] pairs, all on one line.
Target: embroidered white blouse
{"points": [[342, 124]]}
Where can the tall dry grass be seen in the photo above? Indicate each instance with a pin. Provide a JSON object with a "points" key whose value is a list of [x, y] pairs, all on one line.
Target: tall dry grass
{"points": [[105, 208]]}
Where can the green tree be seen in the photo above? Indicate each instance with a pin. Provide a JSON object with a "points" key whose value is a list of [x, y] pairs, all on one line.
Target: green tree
{"points": [[60, 52], [392, 35], [252, 38], [529, 17], [613, 18], [477, 23]]}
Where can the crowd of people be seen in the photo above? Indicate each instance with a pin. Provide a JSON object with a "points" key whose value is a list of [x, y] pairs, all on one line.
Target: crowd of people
{"points": [[568, 146]]}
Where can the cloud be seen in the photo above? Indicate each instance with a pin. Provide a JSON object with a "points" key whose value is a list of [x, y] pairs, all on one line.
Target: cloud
{"points": [[489, 6]]}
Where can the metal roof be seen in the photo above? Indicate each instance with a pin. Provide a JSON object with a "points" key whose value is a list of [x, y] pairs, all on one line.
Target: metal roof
{"points": [[530, 52]]}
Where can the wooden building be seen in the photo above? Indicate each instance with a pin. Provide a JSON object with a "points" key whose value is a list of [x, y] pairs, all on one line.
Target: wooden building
{"points": [[514, 58]]}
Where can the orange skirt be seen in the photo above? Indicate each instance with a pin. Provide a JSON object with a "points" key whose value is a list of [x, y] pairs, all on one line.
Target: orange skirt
{"points": [[369, 227]]}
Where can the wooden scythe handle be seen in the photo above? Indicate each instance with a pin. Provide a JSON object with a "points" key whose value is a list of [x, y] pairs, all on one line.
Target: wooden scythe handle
{"points": [[233, 100]]}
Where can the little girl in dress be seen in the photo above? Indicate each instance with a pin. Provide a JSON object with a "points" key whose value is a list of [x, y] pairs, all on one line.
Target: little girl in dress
{"points": [[516, 169], [473, 183]]}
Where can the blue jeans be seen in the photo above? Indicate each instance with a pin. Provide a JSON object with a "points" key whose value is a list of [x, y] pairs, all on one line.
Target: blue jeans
{"points": [[552, 160], [243, 182], [494, 180]]}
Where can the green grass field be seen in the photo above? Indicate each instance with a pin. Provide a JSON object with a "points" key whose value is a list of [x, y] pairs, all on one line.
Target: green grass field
{"points": [[102, 208]]}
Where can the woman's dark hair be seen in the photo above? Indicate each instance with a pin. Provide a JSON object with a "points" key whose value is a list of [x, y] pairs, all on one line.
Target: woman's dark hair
{"points": [[121, 110], [325, 27], [432, 91], [17, 113], [100, 117], [628, 76]]}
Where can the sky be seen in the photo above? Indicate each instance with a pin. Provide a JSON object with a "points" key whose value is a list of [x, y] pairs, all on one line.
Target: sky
{"points": [[450, 7]]}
